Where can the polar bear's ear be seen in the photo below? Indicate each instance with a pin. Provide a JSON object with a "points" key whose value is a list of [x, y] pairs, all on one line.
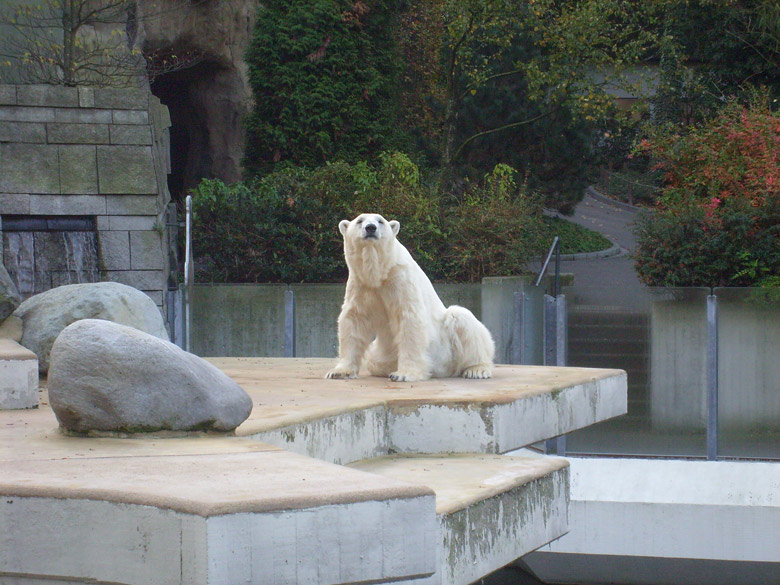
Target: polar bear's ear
{"points": [[395, 226], [343, 225]]}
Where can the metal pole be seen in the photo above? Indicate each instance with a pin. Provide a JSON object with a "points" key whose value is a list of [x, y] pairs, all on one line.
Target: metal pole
{"points": [[712, 377], [518, 334], [555, 352], [556, 285], [562, 331], [549, 342], [289, 323], [189, 271]]}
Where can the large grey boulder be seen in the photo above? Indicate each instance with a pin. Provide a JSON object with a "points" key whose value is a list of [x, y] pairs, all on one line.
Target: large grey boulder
{"points": [[109, 377], [45, 315], [9, 295]]}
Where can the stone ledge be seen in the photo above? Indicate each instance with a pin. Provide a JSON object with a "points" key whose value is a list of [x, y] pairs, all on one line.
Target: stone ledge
{"points": [[30, 132], [283, 481], [18, 376], [47, 95], [202, 510], [516, 504], [451, 415]]}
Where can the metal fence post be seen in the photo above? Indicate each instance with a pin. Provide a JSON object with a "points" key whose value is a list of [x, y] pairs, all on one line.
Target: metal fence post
{"points": [[518, 334], [712, 377], [189, 271], [549, 342], [555, 337], [289, 323]]}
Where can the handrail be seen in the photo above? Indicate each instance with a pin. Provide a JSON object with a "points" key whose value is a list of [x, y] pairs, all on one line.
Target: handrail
{"points": [[554, 248]]}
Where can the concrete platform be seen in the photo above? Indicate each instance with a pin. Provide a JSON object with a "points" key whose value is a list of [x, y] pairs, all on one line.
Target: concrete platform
{"points": [[349, 420], [491, 509], [206, 509], [18, 376]]}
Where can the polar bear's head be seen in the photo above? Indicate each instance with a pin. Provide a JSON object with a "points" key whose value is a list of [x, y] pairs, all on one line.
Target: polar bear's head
{"points": [[369, 228]]}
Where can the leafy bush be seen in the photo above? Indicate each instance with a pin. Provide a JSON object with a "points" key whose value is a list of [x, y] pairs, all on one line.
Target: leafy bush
{"points": [[685, 248], [718, 222], [283, 227], [494, 231], [322, 74], [278, 229]]}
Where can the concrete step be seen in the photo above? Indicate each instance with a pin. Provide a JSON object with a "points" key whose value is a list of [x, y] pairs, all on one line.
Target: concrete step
{"points": [[18, 376], [348, 420], [491, 509], [197, 511], [218, 510]]}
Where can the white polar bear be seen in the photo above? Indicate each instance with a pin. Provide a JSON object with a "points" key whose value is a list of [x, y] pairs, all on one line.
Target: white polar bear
{"points": [[393, 317]]}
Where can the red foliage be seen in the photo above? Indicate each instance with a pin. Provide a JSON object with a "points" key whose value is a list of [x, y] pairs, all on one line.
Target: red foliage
{"points": [[732, 160]]}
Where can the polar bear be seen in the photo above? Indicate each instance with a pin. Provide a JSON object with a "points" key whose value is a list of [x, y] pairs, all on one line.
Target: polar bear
{"points": [[393, 317]]}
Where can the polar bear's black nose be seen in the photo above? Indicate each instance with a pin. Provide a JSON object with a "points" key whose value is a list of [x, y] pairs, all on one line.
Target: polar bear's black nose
{"points": [[370, 228]]}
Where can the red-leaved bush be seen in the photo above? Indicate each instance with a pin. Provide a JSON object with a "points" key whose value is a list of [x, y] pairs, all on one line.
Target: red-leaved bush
{"points": [[718, 220]]}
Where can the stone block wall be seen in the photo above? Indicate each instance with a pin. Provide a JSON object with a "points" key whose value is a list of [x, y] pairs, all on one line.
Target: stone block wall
{"points": [[97, 152]]}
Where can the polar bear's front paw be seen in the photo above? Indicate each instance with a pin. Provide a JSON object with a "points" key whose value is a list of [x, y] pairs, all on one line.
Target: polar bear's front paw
{"points": [[338, 373], [478, 372], [400, 376]]}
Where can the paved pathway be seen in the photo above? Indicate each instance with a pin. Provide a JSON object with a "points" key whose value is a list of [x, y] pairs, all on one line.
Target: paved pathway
{"points": [[609, 281]]}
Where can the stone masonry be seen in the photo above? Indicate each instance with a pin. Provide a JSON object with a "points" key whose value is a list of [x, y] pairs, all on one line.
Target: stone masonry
{"points": [[96, 152]]}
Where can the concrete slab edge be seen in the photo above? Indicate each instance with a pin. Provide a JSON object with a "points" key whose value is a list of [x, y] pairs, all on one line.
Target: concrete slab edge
{"points": [[514, 523], [148, 546]]}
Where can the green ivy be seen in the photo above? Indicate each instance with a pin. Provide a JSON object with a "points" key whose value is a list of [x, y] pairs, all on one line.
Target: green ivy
{"points": [[323, 74]]}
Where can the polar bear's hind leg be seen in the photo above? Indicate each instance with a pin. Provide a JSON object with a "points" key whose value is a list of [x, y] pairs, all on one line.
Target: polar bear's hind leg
{"points": [[380, 359], [472, 343]]}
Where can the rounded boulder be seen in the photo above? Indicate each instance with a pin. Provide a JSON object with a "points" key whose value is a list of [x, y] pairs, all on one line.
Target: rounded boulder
{"points": [[110, 377], [46, 314]]}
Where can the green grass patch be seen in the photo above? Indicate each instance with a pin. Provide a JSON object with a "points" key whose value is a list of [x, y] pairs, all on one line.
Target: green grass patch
{"points": [[574, 238]]}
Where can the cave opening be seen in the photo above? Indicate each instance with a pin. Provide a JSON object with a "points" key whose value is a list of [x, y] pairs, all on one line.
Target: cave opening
{"points": [[182, 92]]}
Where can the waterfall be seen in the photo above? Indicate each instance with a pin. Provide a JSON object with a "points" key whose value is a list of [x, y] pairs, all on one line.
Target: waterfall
{"points": [[19, 260], [39, 260], [81, 256]]}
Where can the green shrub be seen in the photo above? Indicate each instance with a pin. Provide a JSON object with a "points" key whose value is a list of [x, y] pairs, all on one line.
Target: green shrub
{"points": [[322, 74], [684, 247], [494, 231], [574, 239], [719, 219], [278, 229]]}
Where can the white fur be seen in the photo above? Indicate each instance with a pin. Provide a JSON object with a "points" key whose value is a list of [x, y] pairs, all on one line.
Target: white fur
{"points": [[393, 318]]}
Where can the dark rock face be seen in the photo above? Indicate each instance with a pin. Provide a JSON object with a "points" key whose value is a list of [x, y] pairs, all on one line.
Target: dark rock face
{"points": [[209, 100], [109, 377]]}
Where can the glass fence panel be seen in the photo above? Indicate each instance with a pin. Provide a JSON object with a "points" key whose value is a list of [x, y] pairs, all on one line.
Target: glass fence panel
{"points": [[317, 308], [749, 372], [659, 337], [240, 320]]}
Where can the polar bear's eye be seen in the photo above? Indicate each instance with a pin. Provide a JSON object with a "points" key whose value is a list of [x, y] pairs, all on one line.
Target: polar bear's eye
{"points": [[360, 220], [379, 221]]}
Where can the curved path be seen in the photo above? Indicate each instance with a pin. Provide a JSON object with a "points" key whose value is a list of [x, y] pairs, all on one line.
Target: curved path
{"points": [[606, 281]]}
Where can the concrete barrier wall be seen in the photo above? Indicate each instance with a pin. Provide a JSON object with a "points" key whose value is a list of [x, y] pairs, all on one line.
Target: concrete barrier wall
{"points": [[748, 360], [678, 361], [748, 342], [249, 319], [238, 320]]}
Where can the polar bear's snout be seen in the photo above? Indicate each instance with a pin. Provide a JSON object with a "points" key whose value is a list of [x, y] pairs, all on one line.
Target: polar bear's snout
{"points": [[369, 231]]}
